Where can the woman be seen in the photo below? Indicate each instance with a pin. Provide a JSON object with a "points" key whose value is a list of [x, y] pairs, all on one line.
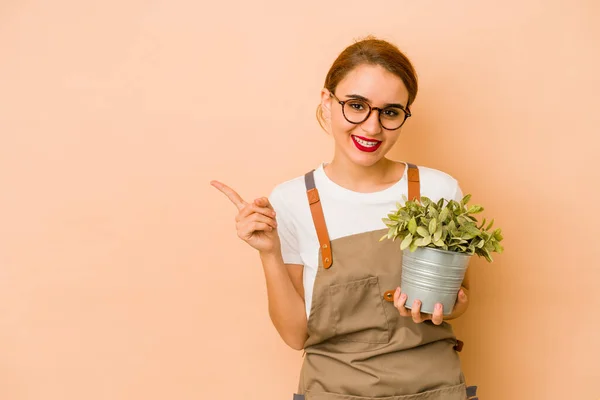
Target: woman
{"points": [[332, 285]]}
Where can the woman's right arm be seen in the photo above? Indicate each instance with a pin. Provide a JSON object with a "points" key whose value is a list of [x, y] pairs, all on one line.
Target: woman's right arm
{"points": [[256, 225], [286, 304]]}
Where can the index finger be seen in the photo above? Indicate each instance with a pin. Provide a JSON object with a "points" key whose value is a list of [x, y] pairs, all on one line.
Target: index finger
{"points": [[235, 198]]}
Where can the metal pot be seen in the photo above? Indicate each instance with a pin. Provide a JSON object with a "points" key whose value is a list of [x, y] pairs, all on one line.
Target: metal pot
{"points": [[433, 276]]}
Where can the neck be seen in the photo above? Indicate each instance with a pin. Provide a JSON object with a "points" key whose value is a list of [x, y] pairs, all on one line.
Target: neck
{"points": [[360, 178]]}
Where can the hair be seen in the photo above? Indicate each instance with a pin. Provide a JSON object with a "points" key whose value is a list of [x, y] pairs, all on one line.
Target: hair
{"points": [[371, 51]]}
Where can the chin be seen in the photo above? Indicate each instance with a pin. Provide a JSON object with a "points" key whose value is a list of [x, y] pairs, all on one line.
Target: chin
{"points": [[364, 159], [366, 162]]}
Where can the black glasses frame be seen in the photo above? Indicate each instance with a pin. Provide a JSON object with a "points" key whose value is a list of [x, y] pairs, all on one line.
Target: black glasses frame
{"points": [[407, 112]]}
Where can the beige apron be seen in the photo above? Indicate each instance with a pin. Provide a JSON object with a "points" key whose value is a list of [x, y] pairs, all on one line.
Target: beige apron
{"points": [[358, 346]]}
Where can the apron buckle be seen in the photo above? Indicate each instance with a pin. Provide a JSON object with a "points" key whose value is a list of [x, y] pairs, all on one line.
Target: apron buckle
{"points": [[459, 345]]}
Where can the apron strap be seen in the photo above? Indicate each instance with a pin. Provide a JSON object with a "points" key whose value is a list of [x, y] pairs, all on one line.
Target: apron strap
{"points": [[318, 218], [414, 185], [414, 193]]}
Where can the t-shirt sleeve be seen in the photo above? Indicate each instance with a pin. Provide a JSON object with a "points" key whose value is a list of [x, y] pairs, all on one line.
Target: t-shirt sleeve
{"points": [[286, 230]]}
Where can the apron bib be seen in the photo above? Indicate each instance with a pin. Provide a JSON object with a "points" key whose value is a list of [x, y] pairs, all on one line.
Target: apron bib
{"points": [[358, 346]]}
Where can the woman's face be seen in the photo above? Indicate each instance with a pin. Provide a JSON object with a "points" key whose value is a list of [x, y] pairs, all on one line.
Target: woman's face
{"points": [[365, 143]]}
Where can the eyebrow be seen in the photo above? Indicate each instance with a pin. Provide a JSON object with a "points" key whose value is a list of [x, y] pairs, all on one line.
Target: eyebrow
{"points": [[359, 97]]}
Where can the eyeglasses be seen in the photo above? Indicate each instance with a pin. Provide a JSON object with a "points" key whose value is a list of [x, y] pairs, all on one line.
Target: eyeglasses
{"points": [[357, 111]]}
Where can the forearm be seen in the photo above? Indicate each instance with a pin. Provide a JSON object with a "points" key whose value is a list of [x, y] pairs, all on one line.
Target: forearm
{"points": [[286, 307]]}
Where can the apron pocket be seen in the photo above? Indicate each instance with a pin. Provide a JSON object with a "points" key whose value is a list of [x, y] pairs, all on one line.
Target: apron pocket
{"points": [[358, 312]]}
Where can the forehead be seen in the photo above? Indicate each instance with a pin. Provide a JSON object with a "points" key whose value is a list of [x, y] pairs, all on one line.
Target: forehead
{"points": [[375, 83]]}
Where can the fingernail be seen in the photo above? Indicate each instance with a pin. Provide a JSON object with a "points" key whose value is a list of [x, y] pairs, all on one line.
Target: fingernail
{"points": [[438, 306], [462, 294], [397, 290], [403, 296]]}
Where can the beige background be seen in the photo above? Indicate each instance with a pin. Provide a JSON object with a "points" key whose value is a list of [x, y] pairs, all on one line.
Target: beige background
{"points": [[121, 276]]}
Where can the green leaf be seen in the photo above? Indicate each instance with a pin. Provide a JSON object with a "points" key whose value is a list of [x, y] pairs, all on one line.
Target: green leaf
{"points": [[389, 222], [456, 241], [498, 234], [432, 226], [422, 231], [444, 233], [487, 228], [406, 242], [487, 255], [443, 215], [422, 242], [396, 232], [438, 234], [426, 240], [412, 225], [461, 220], [482, 224], [438, 243], [480, 244], [432, 212], [498, 247], [472, 229], [475, 209], [452, 226], [465, 199], [413, 246]]}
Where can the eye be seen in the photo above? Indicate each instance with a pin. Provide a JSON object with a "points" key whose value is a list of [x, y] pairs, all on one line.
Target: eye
{"points": [[392, 112], [357, 106]]}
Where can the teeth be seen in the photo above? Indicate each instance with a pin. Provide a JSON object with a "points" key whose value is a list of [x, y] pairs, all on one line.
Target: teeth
{"points": [[365, 143]]}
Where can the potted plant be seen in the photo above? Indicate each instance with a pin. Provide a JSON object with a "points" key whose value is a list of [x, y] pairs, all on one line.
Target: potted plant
{"points": [[438, 240]]}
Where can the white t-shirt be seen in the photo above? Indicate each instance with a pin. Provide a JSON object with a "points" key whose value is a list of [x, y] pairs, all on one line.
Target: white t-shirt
{"points": [[346, 213]]}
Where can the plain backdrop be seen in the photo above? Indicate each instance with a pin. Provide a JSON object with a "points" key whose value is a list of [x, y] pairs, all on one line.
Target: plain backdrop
{"points": [[121, 275]]}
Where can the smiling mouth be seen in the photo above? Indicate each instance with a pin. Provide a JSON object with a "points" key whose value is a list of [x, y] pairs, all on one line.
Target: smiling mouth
{"points": [[366, 145]]}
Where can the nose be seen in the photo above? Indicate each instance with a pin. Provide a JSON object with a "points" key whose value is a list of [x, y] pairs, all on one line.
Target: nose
{"points": [[371, 125]]}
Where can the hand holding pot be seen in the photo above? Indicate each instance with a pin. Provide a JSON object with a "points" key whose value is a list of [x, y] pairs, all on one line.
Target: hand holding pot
{"points": [[437, 317], [255, 222]]}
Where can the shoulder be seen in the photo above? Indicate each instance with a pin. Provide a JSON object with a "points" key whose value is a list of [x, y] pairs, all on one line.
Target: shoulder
{"points": [[288, 194], [436, 184]]}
